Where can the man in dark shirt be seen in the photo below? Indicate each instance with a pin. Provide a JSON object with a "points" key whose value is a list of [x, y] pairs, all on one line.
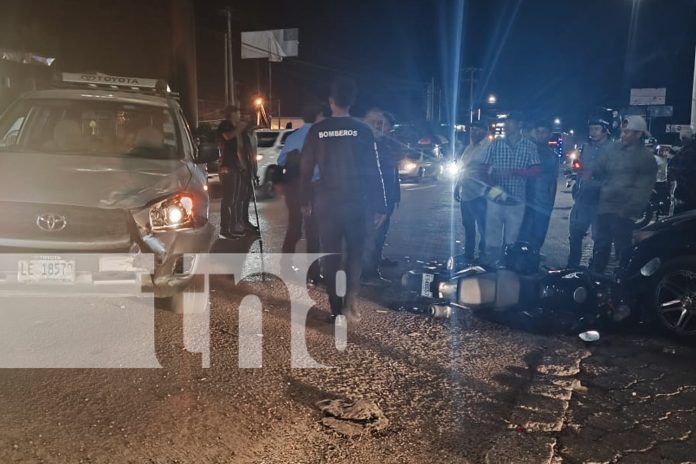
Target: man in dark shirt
{"points": [[682, 170], [388, 152], [349, 187], [541, 190], [232, 174], [586, 190]]}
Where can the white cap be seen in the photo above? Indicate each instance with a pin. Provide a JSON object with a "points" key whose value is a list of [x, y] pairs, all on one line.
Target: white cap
{"points": [[636, 123], [686, 132]]}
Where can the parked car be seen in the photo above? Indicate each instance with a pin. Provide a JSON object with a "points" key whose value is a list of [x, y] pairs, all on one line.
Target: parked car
{"points": [[100, 169], [419, 165], [662, 273], [423, 153], [269, 143]]}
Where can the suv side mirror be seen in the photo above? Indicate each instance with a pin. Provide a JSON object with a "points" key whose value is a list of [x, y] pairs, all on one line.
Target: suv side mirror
{"points": [[207, 153]]}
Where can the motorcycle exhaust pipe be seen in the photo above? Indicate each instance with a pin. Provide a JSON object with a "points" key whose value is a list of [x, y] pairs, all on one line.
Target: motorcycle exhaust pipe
{"points": [[439, 311]]}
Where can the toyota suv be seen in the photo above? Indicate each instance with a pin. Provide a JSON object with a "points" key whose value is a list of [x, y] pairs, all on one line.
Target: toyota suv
{"points": [[102, 165]]}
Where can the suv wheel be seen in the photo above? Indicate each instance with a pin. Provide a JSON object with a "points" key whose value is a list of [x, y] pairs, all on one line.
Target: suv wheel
{"points": [[192, 299]]}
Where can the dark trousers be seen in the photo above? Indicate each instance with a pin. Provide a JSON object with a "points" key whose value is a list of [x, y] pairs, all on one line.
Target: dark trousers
{"points": [[293, 234], [615, 229], [662, 195], [535, 225], [375, 239], [342, 233], [582, 216], [473, 218], [235, 195]]}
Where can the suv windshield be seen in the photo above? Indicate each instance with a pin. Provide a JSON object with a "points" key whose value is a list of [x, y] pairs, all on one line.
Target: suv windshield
{"points": [[86, 127], [266, 139]]}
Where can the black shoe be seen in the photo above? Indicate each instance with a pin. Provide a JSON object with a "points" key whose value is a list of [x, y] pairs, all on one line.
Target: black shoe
{"points": [[375, 281], [231, 235], [337, 319], [386, 262], [315, 280]]}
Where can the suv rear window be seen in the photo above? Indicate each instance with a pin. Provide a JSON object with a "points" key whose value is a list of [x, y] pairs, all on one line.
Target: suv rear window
{"points": [[87, 127], [266, 139]]}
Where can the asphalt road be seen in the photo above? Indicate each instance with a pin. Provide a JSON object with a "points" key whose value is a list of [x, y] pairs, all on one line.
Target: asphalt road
{"points": [[454, 391]]}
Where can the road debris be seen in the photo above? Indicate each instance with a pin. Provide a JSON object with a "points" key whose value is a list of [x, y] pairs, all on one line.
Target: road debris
{"points": [[352, 419]]}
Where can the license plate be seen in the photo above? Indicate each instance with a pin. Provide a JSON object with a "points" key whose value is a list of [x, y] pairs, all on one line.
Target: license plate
{"points": [[426, 280], [46, 270]]}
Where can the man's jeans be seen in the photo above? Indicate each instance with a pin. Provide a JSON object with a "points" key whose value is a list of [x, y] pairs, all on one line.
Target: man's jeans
{"points": [[473, 217], [503, 224], [615, 229], [582, 216], [235, 193]]}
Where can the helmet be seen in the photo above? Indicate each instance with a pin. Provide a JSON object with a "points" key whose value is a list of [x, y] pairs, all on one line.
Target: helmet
{"points": [[522, 258], [599, 119]]}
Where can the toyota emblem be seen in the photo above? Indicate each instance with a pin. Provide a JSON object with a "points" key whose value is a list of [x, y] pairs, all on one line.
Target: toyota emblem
{"points": [[51, 222]]}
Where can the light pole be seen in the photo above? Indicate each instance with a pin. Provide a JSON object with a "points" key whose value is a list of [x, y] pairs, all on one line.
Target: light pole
{"points": [[492, 99]]}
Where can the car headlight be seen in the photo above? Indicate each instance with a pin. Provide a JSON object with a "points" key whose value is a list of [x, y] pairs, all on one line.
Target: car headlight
{"points": [[452, 169], [173, 213], [408, 166]]}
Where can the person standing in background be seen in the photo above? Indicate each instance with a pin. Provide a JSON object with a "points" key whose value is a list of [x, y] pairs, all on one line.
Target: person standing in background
{"points": [[470, 190], [541, 190]]}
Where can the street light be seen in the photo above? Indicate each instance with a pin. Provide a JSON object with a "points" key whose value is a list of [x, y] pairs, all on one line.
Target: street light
{"points": [[258, 101], [557, 121], [492, 99]]}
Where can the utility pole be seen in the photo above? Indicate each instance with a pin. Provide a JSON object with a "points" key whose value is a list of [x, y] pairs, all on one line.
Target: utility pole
{"points": [[230, 57], [430, 98], [270, 84], [227, 72], [693, 97], [472, 80]]}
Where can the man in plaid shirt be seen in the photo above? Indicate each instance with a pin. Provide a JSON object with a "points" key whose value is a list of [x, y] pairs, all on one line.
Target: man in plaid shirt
{"points": [[510, 162]]}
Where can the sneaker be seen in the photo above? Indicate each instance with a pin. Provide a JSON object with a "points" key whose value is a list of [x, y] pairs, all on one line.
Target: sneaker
{"points": [[340, 320], [386, 262]]}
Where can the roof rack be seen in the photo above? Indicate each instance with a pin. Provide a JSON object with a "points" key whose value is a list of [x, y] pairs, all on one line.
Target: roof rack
{"points": [[121, 83]]}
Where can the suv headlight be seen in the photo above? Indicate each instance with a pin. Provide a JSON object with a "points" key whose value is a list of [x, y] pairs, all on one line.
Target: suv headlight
{"points": [[173, 213]]}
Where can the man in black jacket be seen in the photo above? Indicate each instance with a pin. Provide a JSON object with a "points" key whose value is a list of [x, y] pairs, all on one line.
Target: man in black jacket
{"points": [[349, 186], [388, 151], [231, 134]]}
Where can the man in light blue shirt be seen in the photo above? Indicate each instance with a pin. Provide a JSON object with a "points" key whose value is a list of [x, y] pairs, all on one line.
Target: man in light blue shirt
{"points": [[289, 162]]}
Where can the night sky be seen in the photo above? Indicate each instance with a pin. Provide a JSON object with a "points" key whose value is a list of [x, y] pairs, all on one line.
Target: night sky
{"points": [[546, 58]]}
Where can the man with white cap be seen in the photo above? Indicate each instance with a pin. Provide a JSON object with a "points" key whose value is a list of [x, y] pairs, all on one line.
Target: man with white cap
{"points": [[627, 172]]}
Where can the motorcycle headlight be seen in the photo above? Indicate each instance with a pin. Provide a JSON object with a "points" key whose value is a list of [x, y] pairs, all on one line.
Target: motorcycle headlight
{"points": [[173, 213]]}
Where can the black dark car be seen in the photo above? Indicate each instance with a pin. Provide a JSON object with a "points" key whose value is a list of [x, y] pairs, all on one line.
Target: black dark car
{"points": [[661, 274]]}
